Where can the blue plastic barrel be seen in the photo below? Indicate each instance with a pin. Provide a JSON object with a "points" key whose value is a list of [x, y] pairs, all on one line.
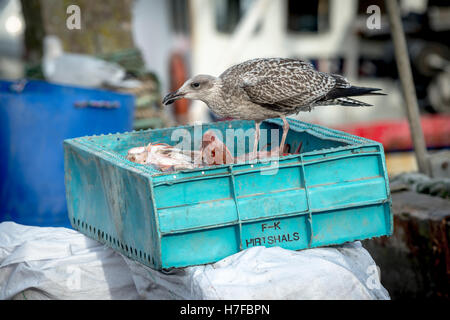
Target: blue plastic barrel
{"points": [[35, 118]]}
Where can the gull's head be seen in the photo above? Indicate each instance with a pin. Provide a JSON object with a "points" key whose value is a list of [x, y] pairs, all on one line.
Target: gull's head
{"points": [[201, 87]]}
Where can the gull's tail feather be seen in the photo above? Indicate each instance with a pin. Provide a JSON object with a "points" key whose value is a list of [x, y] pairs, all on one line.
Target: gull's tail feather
{"points": [[352, 91], [346, 102], [340, 96]]}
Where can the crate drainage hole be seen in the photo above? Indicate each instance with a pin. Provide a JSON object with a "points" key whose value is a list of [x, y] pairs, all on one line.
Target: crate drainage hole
{"points": [[102, 235]]}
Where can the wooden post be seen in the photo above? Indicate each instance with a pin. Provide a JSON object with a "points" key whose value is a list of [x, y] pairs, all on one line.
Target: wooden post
{"points": [[409, 91], [34, 30]]}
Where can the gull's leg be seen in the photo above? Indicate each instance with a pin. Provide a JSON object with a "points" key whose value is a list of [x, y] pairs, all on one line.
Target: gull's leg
{"points": [[285, 131], [255, 145]]}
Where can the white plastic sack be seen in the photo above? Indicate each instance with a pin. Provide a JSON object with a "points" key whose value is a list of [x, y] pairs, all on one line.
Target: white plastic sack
{"points": [[60, 263]]}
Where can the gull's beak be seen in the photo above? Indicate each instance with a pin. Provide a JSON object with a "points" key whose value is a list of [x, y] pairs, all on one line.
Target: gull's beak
{"points": [[172, 97]]}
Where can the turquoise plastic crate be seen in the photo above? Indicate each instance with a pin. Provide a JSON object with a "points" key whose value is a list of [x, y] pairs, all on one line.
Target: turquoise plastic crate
{"points": [[336, 190]]}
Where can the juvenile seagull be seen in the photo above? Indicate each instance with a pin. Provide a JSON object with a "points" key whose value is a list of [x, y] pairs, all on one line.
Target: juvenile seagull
{"points": [[266, 88]]}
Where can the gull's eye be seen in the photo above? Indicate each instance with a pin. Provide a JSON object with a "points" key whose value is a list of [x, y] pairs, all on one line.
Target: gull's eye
{"points": [[195, 85]]}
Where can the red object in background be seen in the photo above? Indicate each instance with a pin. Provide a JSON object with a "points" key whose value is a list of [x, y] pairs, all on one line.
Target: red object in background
{"points": [[395, 134], [178, 75]]}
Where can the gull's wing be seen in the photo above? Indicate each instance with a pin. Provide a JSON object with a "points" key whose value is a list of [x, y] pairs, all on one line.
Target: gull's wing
{"points": [[284, 84]]}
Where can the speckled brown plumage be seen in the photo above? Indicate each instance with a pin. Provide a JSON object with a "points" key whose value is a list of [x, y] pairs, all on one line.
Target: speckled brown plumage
{"points": [[277, 86]]}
